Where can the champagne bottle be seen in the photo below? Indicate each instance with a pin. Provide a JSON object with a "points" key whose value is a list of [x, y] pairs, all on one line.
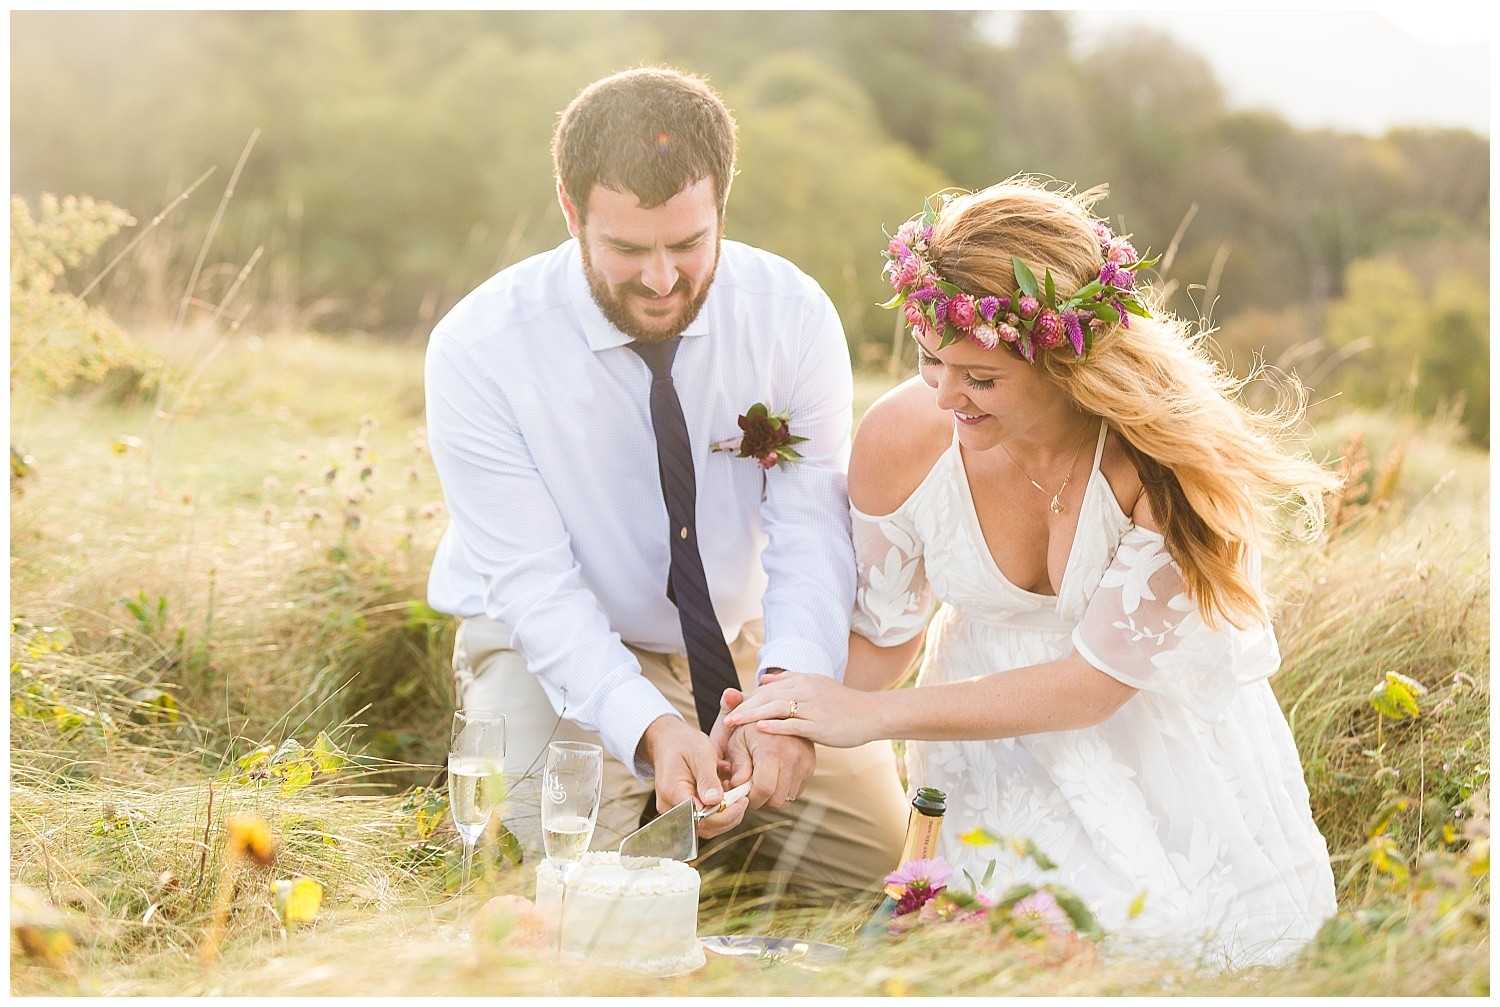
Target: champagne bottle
{"points": [[927, 810]]}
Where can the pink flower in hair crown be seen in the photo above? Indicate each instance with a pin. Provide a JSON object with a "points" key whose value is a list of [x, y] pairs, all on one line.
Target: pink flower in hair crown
{"points": [[1034, 317]]}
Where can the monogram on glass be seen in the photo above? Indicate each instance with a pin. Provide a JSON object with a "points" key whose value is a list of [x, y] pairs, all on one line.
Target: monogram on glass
{"points": [[476, 782], [571, 785]]}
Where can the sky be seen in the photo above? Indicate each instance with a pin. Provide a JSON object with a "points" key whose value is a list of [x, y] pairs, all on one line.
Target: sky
{"points": [[1355, 71]]}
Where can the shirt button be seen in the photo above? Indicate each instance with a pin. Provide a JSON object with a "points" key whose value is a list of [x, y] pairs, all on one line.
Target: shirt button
{"points": [[683, 533]]}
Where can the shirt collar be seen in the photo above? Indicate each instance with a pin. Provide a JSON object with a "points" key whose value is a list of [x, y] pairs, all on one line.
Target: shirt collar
{"points": [[599, 332]]}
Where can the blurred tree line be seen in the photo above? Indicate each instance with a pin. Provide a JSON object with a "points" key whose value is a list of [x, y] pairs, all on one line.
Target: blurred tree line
{"points": [[402, 156]]}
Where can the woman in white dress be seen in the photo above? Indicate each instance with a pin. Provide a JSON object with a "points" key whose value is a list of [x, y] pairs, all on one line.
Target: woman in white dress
{"points": [[1072, 478]]}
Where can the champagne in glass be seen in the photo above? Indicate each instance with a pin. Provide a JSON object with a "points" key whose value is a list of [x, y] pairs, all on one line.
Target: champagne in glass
{"points": [[476, 760], [571, 784]]}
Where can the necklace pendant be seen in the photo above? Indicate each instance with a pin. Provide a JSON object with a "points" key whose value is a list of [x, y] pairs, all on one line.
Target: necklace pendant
{"points": [[1056, 505]]}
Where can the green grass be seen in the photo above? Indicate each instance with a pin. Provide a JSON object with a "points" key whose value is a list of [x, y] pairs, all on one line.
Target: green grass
{"points": [[186, 568]]}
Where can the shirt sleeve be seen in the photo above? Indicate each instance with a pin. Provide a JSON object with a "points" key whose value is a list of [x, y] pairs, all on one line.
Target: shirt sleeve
{"points": [[893, 601], [511, 531], [1142, 629], [809, 558]]}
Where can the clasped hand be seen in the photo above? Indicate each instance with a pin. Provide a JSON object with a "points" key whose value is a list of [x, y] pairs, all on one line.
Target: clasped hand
{"points": [[811, 707]]}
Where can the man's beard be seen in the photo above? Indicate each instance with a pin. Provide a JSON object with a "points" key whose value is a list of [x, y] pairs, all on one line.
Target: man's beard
{"points": [[614, 307]]}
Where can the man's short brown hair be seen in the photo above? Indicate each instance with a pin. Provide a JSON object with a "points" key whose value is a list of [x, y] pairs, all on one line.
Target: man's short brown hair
{"points": [[650, 131]]}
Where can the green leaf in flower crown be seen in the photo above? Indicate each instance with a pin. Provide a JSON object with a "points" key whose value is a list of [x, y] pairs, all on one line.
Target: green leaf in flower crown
{"points": [[1050, 287], [1025, 278], [895, 302], [1087, 290], [1105, 312], [1135, 307]]}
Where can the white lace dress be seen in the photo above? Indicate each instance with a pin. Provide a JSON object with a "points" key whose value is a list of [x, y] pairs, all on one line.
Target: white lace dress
{"points": [[1191, 795]]}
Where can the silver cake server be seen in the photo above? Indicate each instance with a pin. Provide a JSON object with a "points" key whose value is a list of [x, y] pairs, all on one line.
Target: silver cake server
{"points": [[672, 835]]}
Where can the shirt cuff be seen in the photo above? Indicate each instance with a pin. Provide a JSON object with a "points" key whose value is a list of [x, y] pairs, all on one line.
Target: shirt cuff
{"points": [[624, 716], [798, 655]]}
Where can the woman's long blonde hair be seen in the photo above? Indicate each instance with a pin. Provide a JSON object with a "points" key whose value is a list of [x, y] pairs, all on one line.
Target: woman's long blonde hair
{"points": [[1212, 468]]}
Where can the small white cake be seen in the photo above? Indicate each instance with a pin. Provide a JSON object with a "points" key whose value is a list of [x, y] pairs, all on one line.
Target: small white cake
{"points": [[643, 920]]}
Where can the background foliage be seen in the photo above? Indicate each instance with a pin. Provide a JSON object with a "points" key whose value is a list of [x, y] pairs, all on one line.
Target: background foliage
{"points": [[401, 157]]}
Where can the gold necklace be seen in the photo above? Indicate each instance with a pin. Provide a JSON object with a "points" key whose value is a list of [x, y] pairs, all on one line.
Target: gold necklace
{"points": [[1056, 503]]}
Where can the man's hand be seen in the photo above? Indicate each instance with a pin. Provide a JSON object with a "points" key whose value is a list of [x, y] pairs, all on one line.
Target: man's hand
{"points": [[780, 766], [734, 764], [686, 765]]}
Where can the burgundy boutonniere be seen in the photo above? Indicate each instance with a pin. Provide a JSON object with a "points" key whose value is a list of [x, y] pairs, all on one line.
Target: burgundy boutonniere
{"points": [[767, 438]]}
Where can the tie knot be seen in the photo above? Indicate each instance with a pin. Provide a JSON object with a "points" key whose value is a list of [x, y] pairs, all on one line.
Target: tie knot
{"points": [[658, 355]]}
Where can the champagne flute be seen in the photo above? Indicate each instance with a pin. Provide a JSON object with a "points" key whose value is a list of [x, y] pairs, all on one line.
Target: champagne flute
{"points": [[570, 799], [571, 784], [476, 761]]}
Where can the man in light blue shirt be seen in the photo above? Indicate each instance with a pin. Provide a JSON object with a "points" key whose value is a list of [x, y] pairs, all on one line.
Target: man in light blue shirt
{"points": [[541, 411]]}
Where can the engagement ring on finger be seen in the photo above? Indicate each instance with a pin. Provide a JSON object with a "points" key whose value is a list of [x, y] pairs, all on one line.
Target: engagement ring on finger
{"points": [[793, 704]]}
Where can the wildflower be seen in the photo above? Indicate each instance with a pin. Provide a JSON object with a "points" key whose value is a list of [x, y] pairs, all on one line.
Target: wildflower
{"points": [[1007, 332], [907, 233], [961, 311], [914, 315], [922, 880], [1107, 273], [907, 272], [989, 307], [297, 900], [268, 514], [1028, 307], [270, 484], [432, 510], [250, 839], [359, 450], [300, 490], [1048, 329], [985, 336], [411, 474], [1122, 252], [1074, 329], [1041, 907]]}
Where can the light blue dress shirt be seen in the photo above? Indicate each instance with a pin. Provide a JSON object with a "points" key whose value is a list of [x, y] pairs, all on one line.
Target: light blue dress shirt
{"points": [[539, 425]]}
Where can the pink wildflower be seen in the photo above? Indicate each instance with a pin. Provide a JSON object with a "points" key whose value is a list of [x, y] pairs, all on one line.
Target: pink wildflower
{"points": [[1028, 307], [1041, 907], [907, 273], [1048, 329], [907, 233], [933, 873], [961, 311], [1007, 332], [985, 336], [1121, 252], [989, 307], [1074, 329], [1105, 235], [770, 460], [914, 315]]}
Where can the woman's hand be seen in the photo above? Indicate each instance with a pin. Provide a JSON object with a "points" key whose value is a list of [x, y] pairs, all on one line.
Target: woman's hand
{"points": [[813, 707]]}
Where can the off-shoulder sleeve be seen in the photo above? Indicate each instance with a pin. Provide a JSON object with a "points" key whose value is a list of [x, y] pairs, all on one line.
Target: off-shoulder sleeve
{"points": [[892, 600], [1142, 629]]}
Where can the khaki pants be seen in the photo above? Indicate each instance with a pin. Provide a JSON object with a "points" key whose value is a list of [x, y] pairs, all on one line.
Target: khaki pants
{"points": [[844, 832]]}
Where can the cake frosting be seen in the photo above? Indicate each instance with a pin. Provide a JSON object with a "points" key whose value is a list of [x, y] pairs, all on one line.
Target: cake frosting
{"points": [[645, 920]]}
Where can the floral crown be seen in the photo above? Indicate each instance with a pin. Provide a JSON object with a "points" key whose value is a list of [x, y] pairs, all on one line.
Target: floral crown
{"points": [[1033, 317]]}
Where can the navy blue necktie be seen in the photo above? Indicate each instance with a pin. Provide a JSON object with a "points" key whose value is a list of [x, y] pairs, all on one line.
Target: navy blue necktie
{"points": [[709, 663]]}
